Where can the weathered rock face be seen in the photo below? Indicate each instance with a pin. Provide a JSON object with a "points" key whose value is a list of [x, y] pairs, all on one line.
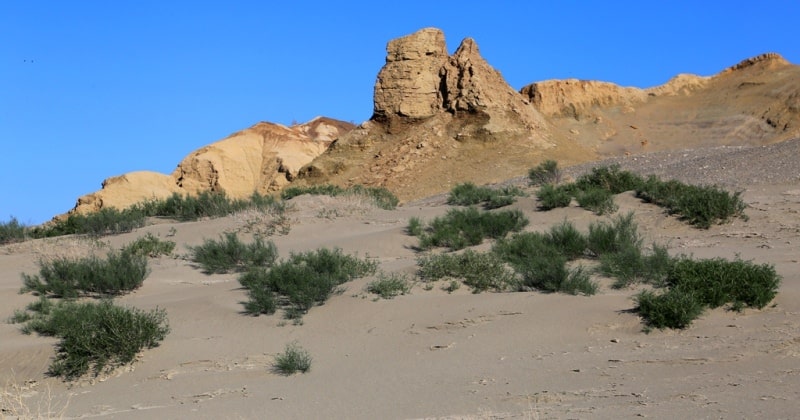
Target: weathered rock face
{"points": [[430, 109], [572, 97], [409, 84], [419, 80], [262, 158]]}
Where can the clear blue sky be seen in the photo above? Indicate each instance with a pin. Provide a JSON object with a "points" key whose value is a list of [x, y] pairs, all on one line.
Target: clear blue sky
{"points": [[95, 88]]}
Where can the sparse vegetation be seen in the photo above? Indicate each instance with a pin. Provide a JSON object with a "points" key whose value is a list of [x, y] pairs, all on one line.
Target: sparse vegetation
{"points": [[460, 228], [229, 254], [479, 271], [106, 221], [597, 200], [382, 197], [120, 272], [693, 285], [546, 172], [389, 285], [94, 336], [12, 231], [302, 281], [468, 194], [150, 246], [293, 359], [551, 197], [701, 206]]}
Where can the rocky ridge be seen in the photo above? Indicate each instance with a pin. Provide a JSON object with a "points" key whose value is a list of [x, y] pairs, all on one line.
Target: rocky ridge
{"points": [[441, 119], [263, 158]]}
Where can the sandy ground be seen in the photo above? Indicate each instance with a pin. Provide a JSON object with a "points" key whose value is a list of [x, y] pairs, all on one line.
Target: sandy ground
{"points": [[430, 354]]}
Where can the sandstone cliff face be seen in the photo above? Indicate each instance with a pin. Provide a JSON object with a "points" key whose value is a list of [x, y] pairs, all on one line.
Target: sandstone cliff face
{"points": [[262, 158], [430, 110], [441, 119]]}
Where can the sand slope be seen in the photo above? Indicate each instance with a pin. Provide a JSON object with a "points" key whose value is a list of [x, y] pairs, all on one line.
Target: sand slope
{"points": [[430, 354]]}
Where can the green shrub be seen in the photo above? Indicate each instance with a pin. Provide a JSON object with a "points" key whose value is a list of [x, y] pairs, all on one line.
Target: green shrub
{"points": [[262, 299], [106, 221], [325, 189], [96, 336], [230, 254], [414, 227], [716, 281], [578, 283], [468, 194], [293, 359], [546, 172], [388, 286], [382, 197], [541, 260], [12, 231], [302, 281], [551, 197], [609, 238], [150, 246], [479, 271], [675, 308], [597, 200], [567, 239], [701, 206], [609, 178], [118, 273], [461, 228]]}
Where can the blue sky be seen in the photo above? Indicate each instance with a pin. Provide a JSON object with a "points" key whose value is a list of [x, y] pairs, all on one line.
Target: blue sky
{"points": [[91, 89]]}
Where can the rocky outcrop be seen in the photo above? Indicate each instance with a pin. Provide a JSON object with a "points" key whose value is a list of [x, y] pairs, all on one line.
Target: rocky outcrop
{"points": [[431, 109], [419, 81], [262, 158], [409, 84], [572, 97]]}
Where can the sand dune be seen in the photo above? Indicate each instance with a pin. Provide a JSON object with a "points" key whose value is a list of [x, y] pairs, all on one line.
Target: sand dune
{"points": [[430, 354]]}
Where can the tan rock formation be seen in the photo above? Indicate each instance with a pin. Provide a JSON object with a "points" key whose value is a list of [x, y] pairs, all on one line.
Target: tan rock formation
{"points": [[431, 110], [409, 85], [572, 98], [262, 158]]}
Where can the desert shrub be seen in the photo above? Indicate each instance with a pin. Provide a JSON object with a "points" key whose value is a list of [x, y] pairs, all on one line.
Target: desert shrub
{"points": [[551, 197], [261, 298], [566, 238], [541, 260], [609, 178], [716, 281], [150, 245], [12, 231], [468, 194], [546, 172], [230, 254], [675, 308], [415, 227], [609, 238], [106, 221], [578, 282], [479, 271], [382, 197], [96, 336], [293, 359], [701, 206], [303, 280], [118, 273], [461, 228], [207, 204], [388, 286], [323, 189], [597, 200], [625, 265]]}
